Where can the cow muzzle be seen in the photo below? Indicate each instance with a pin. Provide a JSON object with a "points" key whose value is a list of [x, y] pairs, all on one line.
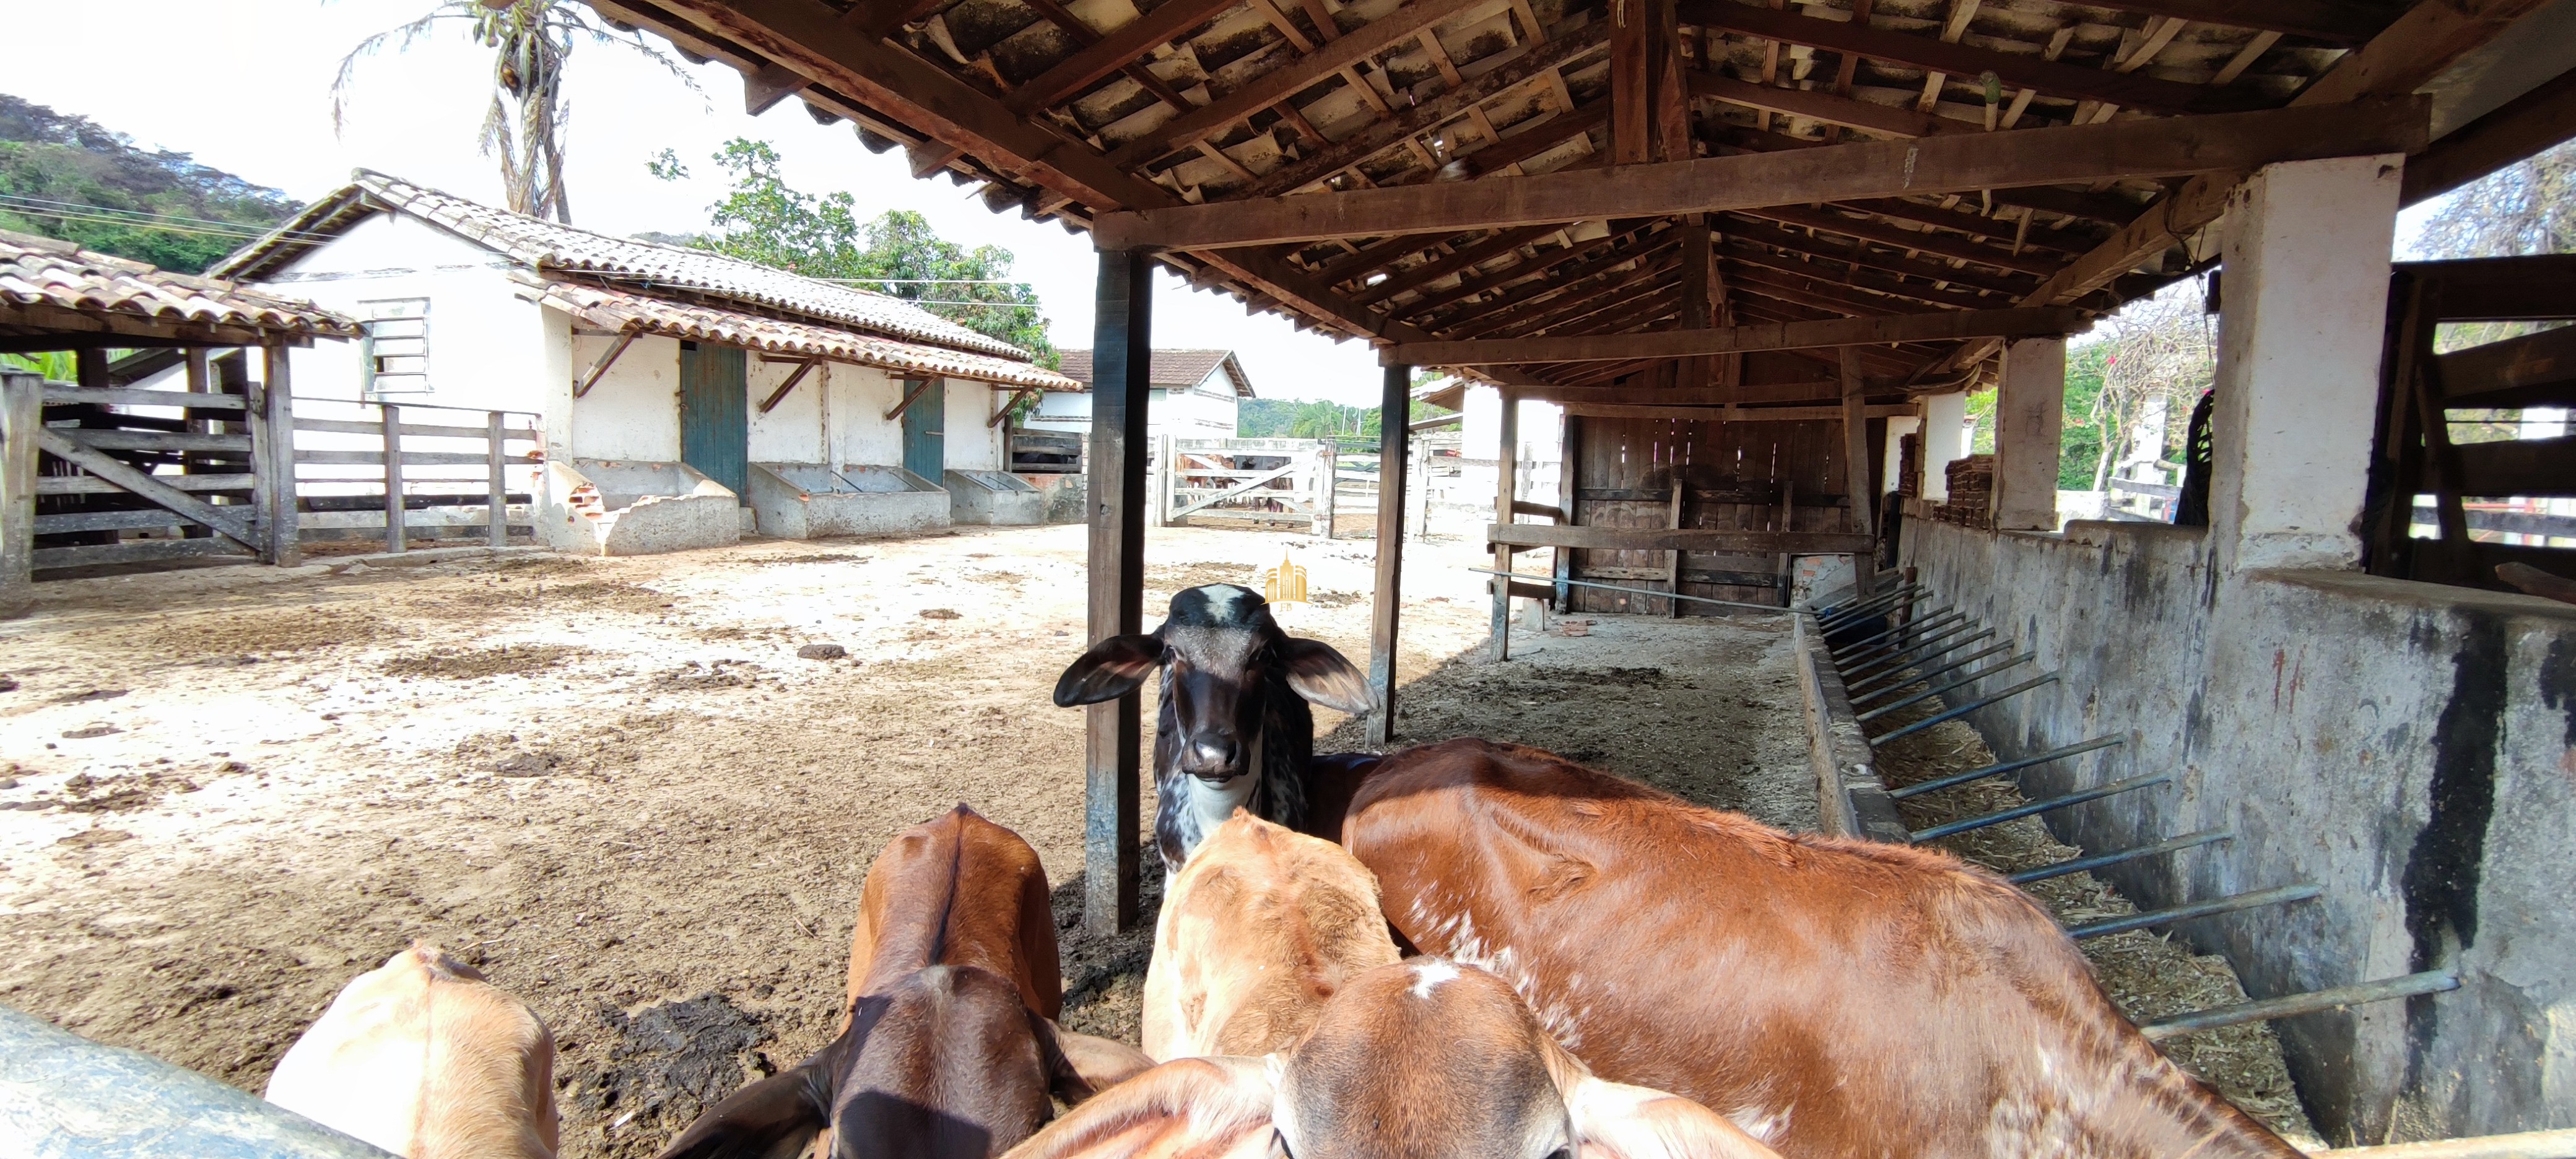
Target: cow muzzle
{"points": [[1215, 761]]}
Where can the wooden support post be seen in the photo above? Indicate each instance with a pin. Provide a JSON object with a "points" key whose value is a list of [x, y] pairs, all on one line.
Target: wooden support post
{"points": [[1681, 494], [1417, 468], [1568, 500], [1864, 504], [793, 377], [910, 396], [1122, 358], [1632, 99], [1167, 476], [496, 487], [22, 409], [1394, 403], [272, 457], [1331, 454], [607, 358], [1506, 466], [1698, 277], [394, 539]]}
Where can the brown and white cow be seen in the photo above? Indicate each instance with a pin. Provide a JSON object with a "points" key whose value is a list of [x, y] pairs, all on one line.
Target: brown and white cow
{"points": [[1271, 943], [425, 1059], [949, 1048], [1834, 998]]}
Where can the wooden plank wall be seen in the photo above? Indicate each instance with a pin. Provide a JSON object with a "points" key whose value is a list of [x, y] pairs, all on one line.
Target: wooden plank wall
{"points": [[1737, 476]]}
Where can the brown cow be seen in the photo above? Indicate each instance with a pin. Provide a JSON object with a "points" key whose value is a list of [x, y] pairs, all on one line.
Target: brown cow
{"points": [[948, 1049], [1832, 997], [1271, 943], [425, 1059]]}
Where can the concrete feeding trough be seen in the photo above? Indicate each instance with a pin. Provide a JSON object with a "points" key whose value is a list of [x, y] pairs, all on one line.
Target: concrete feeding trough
{"points": [[998, 498], [610, 507], [805, 500]]}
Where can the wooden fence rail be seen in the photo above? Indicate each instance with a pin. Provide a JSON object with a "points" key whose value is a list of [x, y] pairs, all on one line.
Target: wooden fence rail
{"points": [[415, 493]]}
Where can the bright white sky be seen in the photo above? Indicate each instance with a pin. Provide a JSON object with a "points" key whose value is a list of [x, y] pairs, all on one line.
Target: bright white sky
{"points": [[264, 112], [245, 85]]}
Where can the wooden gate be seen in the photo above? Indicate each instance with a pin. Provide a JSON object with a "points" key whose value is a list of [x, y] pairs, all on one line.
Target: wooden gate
{"points": [[715, 419]]}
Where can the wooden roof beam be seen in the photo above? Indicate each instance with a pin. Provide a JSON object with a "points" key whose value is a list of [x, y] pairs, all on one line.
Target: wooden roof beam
{"points": [[1764, 233], [1528, 267], [1464, 260], [1125, 45], [1957, 162], [1540, 314], [1855, 38], [1750, 261], [1395, 29], [1945, 245], [1941, 326], [1522, 300], [2332, 21], [2102, 208], [1818, 105]]}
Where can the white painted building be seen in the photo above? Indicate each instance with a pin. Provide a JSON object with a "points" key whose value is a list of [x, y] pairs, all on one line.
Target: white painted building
{"points": [[1195, 395], [630, 350]]}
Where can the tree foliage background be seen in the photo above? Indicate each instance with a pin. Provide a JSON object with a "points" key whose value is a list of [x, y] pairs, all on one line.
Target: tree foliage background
{"points": [[66, 177], [763, 219]]}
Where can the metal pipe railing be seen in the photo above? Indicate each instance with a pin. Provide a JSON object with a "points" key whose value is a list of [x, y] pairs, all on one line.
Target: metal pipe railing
{"points": [[1961, 682], [2266, 1009], [1901, 632], [2003, 767], [1923, 676], [1893, 663], [2018, 812], [2103, 860], [2279, 895], [1835, 617], [1964, 709]]}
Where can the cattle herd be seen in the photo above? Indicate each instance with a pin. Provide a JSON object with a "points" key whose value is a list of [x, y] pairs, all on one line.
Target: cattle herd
{"points": [[1462, 950]]}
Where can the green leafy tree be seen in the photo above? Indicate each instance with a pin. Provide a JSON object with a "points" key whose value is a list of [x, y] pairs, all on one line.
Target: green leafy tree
{"points": [[531, 41], [763, 219], [66, 177]]}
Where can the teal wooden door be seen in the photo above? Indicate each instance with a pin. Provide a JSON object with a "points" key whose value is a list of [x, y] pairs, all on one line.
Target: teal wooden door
{"points": [[925, 441], [715, 423]]}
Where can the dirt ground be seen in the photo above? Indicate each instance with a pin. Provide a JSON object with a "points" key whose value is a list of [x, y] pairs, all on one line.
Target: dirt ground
{"points": [[618, 787]]}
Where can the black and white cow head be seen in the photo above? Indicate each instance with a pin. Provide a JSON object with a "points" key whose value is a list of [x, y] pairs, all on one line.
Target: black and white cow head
{"points": [[1234, 728]]}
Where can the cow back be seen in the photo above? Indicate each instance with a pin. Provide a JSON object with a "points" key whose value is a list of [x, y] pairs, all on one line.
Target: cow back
{"points": [[1834, 998], [957, 890]]}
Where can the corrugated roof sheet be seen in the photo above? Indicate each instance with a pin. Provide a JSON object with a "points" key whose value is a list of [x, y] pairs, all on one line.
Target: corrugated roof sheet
{"points": [[1172, 368], [618, 310], [556, 247], [38, 270]]}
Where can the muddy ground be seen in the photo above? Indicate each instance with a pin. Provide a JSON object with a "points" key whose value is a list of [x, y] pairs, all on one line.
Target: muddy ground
{"points": [[617, 785]]}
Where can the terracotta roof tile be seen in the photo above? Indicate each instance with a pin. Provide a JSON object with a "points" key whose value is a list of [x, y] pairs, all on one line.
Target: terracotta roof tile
{"points": [[43, 271]]}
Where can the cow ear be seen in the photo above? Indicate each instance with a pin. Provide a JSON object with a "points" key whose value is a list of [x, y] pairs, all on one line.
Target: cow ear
{"points": [[1112, 668], [774, 1118], [1216, 1108], [1080, 1065], [1322, 675], [1618, 1121]]}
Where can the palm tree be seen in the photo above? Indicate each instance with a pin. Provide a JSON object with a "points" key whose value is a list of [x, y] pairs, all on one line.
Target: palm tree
{"points": [[530, 41]]}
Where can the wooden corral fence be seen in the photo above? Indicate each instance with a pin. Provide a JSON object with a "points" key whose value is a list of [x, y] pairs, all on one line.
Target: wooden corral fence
{"points": [[448, 471], [1778, 475], [112, 474], [1247, 481], [1045, 452]]}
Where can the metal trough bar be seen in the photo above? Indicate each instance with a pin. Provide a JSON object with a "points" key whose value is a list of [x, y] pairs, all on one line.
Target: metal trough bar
{"points": [[1897, 679], [2100, 860], [1894, 632], [2557, 1144], [2408, 986], [1839, 615], [2199, 909], [1879, 668], [2019, 811], [1962, 682], [1894, 637], [2004, 767], [1913, 637], [1964, 709]]}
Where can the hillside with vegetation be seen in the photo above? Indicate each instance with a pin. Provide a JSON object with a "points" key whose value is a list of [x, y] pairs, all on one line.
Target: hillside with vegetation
{"points": [[67, 177]]}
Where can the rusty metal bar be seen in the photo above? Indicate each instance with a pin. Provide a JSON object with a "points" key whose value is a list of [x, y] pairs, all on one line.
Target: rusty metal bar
{"points": [[2018, 812], [2278, 895]]}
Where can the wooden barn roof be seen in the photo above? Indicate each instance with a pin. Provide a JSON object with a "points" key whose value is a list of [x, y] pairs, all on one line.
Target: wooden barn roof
{"points": [[1438, 176]]}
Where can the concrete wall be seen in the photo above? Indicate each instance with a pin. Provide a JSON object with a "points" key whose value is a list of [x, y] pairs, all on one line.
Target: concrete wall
{"points": [[973, 445], [860, 397], [1207, 411], [2409, 747]]}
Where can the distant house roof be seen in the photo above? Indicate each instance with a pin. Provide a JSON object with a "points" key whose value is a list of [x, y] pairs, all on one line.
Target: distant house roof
{"points": [[617, 309], [50, 287], [651, 268], [1173, 369]]}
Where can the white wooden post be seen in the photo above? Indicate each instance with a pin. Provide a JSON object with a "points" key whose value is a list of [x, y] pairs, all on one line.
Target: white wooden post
{"points": [[393, 476], [273, 458], [496, 487], [1166, 478], [22, 409]]}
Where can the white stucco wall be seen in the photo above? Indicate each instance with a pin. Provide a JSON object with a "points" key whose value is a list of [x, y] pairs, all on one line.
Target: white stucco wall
{"points": [[972, 446], [485, 342], [634, 410], [794, 433], [1207, 411], [860, 433]]}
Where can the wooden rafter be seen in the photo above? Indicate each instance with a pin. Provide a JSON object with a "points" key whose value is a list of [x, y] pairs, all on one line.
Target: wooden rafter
{"points": [[2170, 146], [1946, 324]]}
